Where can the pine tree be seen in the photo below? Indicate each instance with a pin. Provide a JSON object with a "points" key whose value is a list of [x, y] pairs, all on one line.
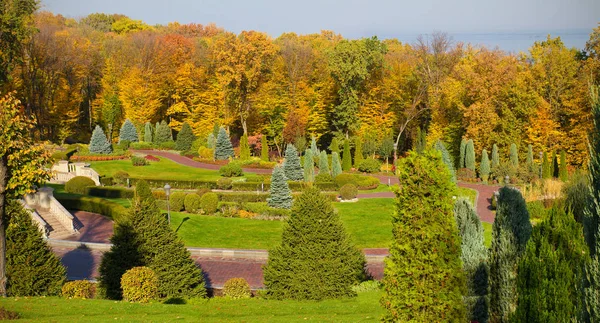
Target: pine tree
{"points": [[323, 163], [128, 132], [439, 146], [32, 269], [281, 195], [470, 155], [156, 131], [546, 169], [185, 138], [316, 259], [423, 278], [336, 167], [148, 132], [223, 147], [334, 146], [563, 174], [554, 165], [550, 281], [484, 166], [291, 165], [264, 151], [309, 166], [244, 148], [346, 157], [511, 231], [419, 142], [474, 259], [514, 155], [463, 152], [313, 147], [211, 141], [163, 133], [358, 154], [530, 164], [495, 157], [216, 130], [99, 144]]}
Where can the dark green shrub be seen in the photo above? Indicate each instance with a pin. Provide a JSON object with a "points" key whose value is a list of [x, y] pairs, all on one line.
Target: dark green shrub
{"points": [[79, 185], [107, 181], [484, 166], [577, 196], [79, 289], [223, 148], [99, 143], [139, 161], [109, 192], [148, 132], [209, 202], [231, 170], [495, 156], [236, 288], [323, 178], [123, 144], [346, 158], [536, 210], [185, 138], [369, 165], [224, 183], [361, 181], [348, 192], [514, 155], [463, 152], [93, 205], [470, 155], [167, 145], [141, 145], [494, 202], [177, 201], [324, 163], [163, 134], [139, 284], [120, 177], [192, 203], [358, 152], [336, 166]]}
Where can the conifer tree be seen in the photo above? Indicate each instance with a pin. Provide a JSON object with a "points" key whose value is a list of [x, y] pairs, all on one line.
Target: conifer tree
{"points": [[484, 166], [281, 195], [423, 278], [334, 146], [563, 174], [309, 167], [514, 155], [470, 155], [530, 164], [313, 147], [163, 133], [358, 154], [551, 272], [323, 163], [216, 129], [346, 157], [223, 147], [185, 138], [439, 146], [148, 132], [211, 141], [128, 132], [244, 148], [554, 165], [463, 152], [511, 231], [419, 141], [98, 143], [495, 157], [32, 269], [336, 167], [474, 260], [291, 165], [316, 259], [264, 151], [546, 169], [156, 130]]}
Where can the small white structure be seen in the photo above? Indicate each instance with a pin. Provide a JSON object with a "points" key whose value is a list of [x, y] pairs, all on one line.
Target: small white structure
{"points": [[50, 213], [64, 171]]}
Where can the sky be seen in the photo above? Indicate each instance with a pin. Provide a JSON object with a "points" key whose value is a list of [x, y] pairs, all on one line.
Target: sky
{"points": [[361, 18]]}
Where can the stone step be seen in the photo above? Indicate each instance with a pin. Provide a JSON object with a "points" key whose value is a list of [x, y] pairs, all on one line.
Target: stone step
{"points": [[56, 229]]}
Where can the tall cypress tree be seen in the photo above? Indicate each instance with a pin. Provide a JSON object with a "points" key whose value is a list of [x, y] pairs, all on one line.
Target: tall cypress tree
{"points": [[463, 151], [439, 146], [163, 133], [530, 164], [316, 259], [264, 151], [495, 156], [470, 155], [484, 166], [554, 165], [223, 147], [474, 260], [336, 166], [281, 195], [423, 279], [346, 158], [156, 130], [148, 132], [511, 231], [323, 163], [546, 169], [211, 141], [291, 165], [128, 132], [334, 146], [309, 166], [185, 138], [216, 129], [244, 148], [313, 147], [563, 174], [514, 155], [358, 153], [98, 143]]}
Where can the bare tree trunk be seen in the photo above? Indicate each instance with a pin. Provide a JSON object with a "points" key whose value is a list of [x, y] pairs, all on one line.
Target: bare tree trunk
{"points": [[3, 223]]}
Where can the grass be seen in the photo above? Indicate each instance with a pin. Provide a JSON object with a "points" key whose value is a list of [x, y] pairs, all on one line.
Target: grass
{"points": [[164, 169], [469, 193], [487, 233], [363, 308], [380, 188]]}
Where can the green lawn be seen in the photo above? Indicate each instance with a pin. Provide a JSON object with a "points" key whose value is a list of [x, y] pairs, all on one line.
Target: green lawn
{"points": [[363, 308], [469, 193], [487, 233], [164, 169]]}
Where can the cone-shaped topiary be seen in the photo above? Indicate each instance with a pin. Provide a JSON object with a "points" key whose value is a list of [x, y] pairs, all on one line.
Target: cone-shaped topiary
{"points": [[216, 129], [185, 138], [335, 145], [309, 166], [484, 166], [474, 260], [281, 195], [439, 146], [336, 166], [514, 155], [163, 133], [546, 169], [211, 141], [291, 165], [99, 144], [463, 151], [358, 154], [530, 157], [511, 231], [495, 156], [148, 132], [264, 151], [223, 147], [346, 157], [423, 278], [470, 155], [323, 163], [32, 269], [554, 165], [313, 147], [316, 259], [128, 132], [244, 148], [420, 140], [156, 129], [563, 174]]}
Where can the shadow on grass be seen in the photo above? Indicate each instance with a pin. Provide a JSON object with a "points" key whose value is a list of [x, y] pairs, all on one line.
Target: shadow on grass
{"points": [[175, 301], [182, 221]]}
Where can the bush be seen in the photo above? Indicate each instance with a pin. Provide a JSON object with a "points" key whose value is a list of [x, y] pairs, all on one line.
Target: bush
{"points": [[124, 144], [192, 203], [167, 145], [177, 201], [536, 210], [98, 143], [159, 195], [120, 177], [361, 181], [141, 145], [207, 153], [107, 181], [231, 170], [348, 192], [242, 197], [323, 178], [236, 288], [224, 183], [93, 205], [190, 184], [109, 192], [139, 161], [369, 165], [139, 284], [367, 286], [202, 191], [263, 209], [465, 174], [60, 155], [185, 138], [79, 289], [209, 202], [79, 185]]}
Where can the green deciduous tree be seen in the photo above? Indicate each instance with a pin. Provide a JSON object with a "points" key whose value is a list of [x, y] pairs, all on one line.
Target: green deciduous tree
{"points": [[128, 132], [346, 157], [291, 165], [470, 155], [439, 146], [514, 155], [484, 166], [244, 148], [316, 259], [185, 138], [423, 279], [281, 195], [336, 166], [309, 166], [223, 147], [98, 143]]}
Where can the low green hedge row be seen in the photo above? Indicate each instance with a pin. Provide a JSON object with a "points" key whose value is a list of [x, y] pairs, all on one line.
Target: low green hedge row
{"points": [[109, 192], [160, 183], [93, 205], [294, 186], [243, 197]]}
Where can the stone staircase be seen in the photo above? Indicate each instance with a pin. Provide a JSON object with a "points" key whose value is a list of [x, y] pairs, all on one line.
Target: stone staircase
{"points": [[56, 230]]}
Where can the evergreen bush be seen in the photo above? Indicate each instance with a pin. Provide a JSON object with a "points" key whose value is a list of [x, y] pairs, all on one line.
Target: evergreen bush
{"points": [[514, 155], [211, 141], [470, 156], [439, 146], [98, 143], [495, 156], [148, 132], [348, 192], [484, 166], [177, 201], [316, 259], [291, 165], [554, 165], [139, 284], [128, 132], [224, 183], [346, 157], [577, 197], [369, 165], [358, 153], [84, 289], [192, 203], [281, 195], [463, 151], [163, 133], [313, 147], [546, 168], [334, 146], [420, 140], [79, 185], [563, 174], [185, 138], [236, 288], [231, 170], [264, 151], [336, 167], [209, 202], [244, 148], [530, 163], [223, 147], [423, 278], [309, 167], [324, 163]]}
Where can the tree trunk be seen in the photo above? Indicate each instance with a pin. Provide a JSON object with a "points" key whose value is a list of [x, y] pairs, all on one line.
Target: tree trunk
{"points": [[3, 223]]}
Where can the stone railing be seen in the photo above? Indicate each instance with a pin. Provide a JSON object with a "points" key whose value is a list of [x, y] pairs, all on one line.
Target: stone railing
{"points": [[64, 171], [37, 220], [44, 199]]}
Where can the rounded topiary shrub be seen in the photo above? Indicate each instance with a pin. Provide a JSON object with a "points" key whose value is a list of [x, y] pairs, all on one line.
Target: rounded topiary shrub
{"points": [[192, 203], [177, 201], [231, 170], [120, 177], [78, 184], [202, 191], [209, 202], [348, 192], [369, 165], [224, 183], [236, 288], [79, 289], [139, 284]]}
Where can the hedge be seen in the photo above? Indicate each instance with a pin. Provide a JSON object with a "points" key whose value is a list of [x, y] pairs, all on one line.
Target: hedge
{"points": [[160, 183], [109, 192], [244, 197], [94, 205], [294, 186]]}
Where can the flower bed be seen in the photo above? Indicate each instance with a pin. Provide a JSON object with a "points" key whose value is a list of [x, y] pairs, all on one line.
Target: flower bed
{"points": [[152, 158]]}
